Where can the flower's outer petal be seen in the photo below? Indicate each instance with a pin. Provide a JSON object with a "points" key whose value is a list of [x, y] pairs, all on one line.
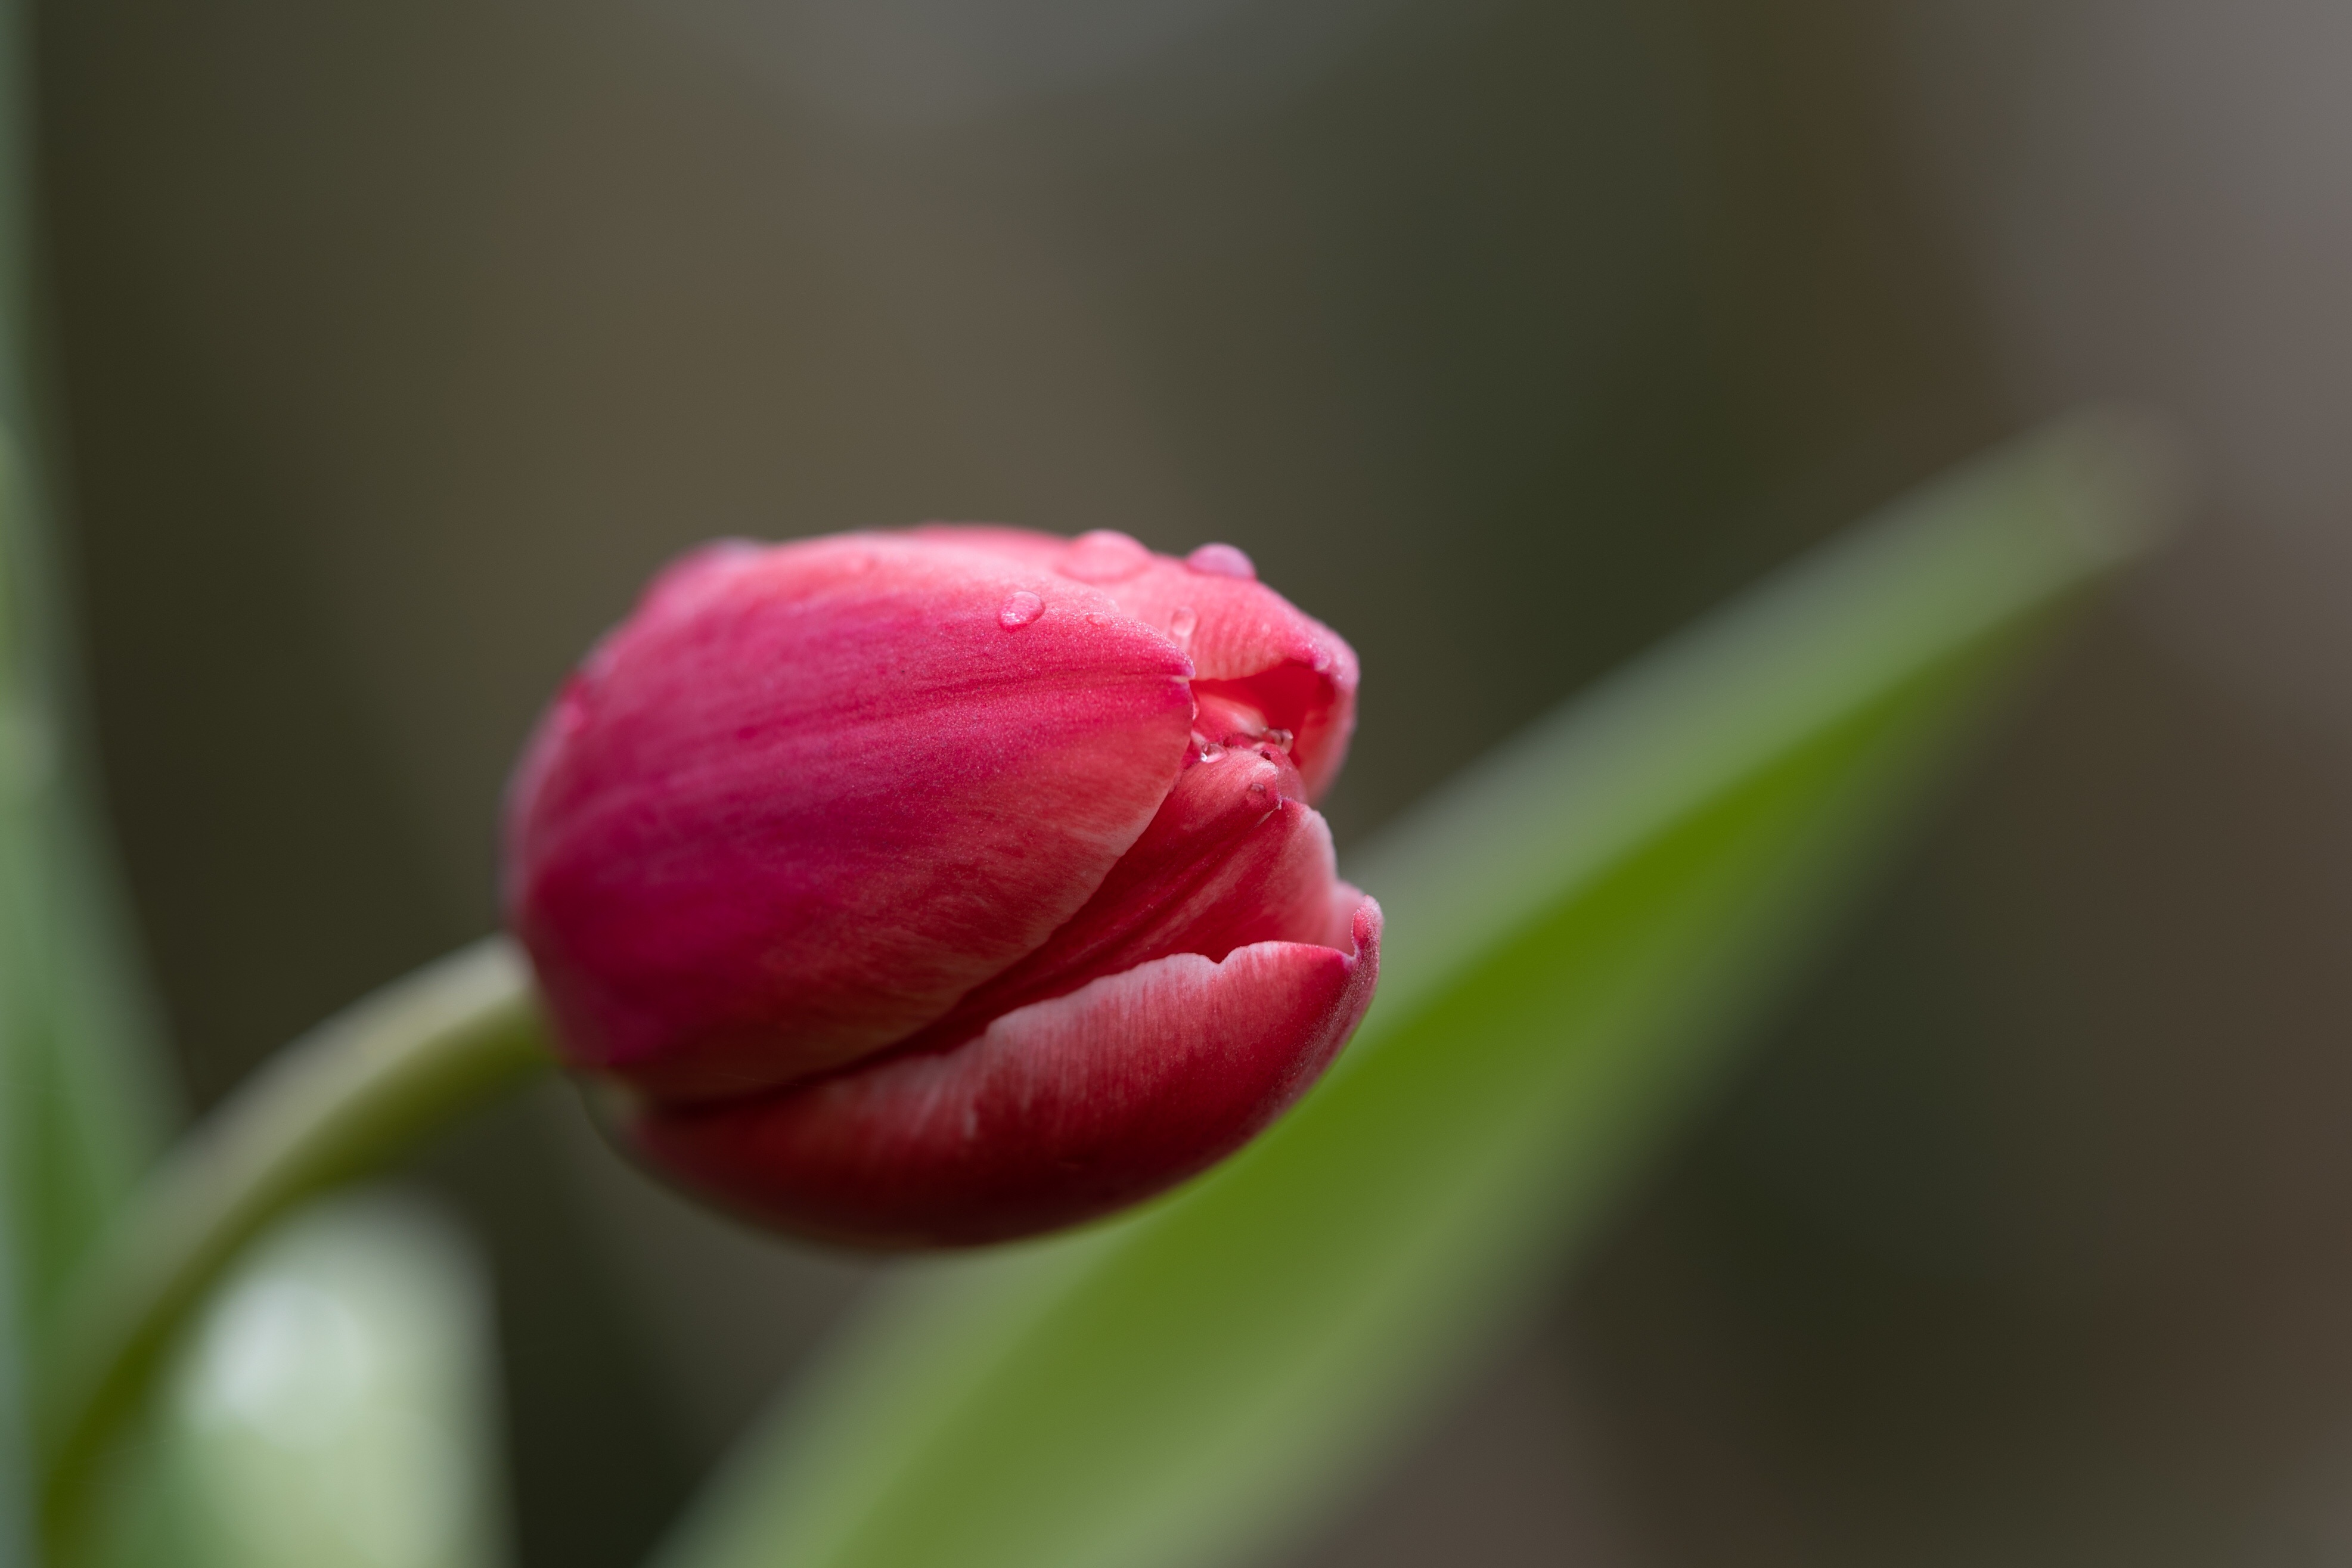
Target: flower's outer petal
{"points": [[1234, 856], [808, 796], [1061, 1111], [1245, 639]]}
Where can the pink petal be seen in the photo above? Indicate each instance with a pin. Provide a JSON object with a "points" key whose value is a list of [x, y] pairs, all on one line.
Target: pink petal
{"points": [[1234, 856], [1061, 1111], [809, 796], [1245, 640]]}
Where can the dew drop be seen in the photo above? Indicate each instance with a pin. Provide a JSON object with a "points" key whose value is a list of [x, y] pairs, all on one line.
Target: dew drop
{"points": [[1322, 658], [1020, 609], [1180, 624], [1281, 737], [1105, 555], [1222, 560], [1212, 751]]}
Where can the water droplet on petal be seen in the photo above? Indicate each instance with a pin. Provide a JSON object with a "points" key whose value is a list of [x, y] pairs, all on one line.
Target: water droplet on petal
{"points": [[1020, 609], [1180, 624], [1281, 737], [1322, 658], [1105, 555], [1222, 560]]}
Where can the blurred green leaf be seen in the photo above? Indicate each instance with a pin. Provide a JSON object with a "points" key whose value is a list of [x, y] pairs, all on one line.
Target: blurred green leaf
{"points": [[18, 921], [86, 1101], [348, 1097], [80, 1082], [81, 1096], [332, 1408], [1578, 931]]}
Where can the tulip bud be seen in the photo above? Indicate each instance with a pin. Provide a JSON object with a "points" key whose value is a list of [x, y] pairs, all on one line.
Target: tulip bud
{"points": [[946, 886]]}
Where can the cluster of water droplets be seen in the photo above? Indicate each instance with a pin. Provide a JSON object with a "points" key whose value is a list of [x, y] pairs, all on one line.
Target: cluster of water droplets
{"points": [[1105, 555]]}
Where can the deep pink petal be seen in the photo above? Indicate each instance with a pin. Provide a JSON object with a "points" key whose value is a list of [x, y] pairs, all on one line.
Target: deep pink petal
{"points": [[1061, 1111], [809, 796], [1245, 640], [1234, 856]]}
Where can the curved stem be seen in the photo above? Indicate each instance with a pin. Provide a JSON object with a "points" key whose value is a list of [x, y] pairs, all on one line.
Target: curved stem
{"points": [[342, 1100]]}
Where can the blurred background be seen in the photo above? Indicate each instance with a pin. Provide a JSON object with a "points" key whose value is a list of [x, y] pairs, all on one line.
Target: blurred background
{"points": [[397, 344]]}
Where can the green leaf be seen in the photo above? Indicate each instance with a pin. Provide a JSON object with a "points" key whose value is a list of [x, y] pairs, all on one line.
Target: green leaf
{"points": [[80, 1084], [82, 1103], [350, 1095], [19, 922], [1579, 931], [85, 1101], [331, 1409], [81, 1099]]}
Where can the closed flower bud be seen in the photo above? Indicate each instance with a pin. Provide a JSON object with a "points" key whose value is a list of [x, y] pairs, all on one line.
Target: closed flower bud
{"points": [[946, 886]]}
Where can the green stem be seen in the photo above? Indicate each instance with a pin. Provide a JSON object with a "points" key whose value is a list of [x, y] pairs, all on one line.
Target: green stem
{"points": [[340, 1102]]}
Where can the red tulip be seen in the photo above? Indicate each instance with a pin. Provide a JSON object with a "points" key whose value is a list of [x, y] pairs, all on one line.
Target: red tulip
{"points": [[946, 886]]}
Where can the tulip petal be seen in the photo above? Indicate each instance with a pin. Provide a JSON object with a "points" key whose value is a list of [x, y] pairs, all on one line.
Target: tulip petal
{"points": [[1060, 1112], [1244, 639], [809, 796], [1234, 856]]}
